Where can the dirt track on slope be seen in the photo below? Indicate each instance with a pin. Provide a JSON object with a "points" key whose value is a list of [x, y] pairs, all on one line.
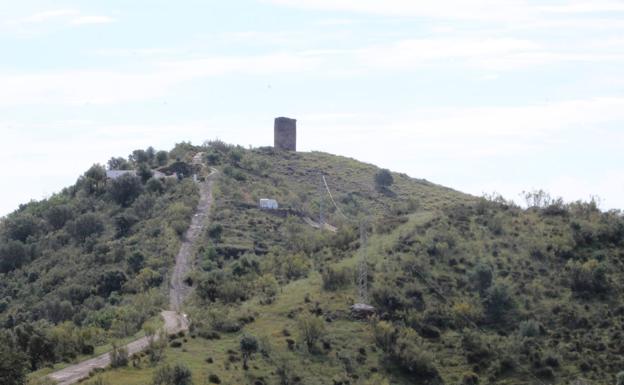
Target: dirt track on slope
{"points": [[178, 292]]}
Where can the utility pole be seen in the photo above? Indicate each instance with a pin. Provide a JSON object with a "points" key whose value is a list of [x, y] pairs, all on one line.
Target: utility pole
{"points": [[321, 202], [362, 270]]}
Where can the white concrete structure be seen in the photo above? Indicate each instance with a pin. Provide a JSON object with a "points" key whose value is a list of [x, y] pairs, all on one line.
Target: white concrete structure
{"points": [[268, 204], [114, 174]]}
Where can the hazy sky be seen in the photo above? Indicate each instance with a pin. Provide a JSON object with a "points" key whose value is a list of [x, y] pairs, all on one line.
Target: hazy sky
{"points": [[481, 95]]}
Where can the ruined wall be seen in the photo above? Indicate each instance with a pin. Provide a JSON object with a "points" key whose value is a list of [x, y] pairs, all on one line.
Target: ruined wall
{"points": [[286, 134]]}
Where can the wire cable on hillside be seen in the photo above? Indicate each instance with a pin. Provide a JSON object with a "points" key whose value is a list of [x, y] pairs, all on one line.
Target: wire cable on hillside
{"points": [[331, 197]]}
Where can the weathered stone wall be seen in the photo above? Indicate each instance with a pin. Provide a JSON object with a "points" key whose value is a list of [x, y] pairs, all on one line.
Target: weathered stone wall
{"points": [[286, 134]]}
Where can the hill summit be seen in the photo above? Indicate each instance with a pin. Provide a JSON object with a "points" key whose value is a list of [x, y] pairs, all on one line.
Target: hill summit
{"points": [[459, 289]]}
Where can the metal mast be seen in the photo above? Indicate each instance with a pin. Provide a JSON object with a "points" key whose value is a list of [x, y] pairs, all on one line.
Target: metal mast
{"points": [[321, 202], [362, 269]]}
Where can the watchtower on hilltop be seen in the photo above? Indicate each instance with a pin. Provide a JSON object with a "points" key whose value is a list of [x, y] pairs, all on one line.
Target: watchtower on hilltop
{"points": [[285, 134]]}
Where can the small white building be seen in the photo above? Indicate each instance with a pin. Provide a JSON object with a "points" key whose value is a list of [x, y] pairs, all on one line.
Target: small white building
{"points": [[268, 204], [114, 174]]}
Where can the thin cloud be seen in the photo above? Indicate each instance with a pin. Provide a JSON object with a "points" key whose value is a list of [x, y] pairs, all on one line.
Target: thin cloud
{"points": [[41, 21], [113, 87], [82, 20], [42, 17], [493, 10]]}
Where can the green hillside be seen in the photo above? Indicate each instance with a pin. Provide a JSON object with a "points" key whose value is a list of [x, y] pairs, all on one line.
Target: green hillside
{"points": [[467, 290]]}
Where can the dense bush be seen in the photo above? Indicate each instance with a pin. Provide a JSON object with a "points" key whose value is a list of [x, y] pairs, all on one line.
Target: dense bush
{"points": [[13, 254], [530, 328], [410, 355], [499, 302], [12, 362], [86, 225], [482, 277], [118, 356], [588, 278], [178, 374], [125, 189], [384, 179], [21, 227], [311, 329], [337, 279]]}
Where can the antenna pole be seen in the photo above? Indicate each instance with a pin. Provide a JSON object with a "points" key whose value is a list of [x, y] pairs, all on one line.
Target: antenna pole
{"points": [[362, 279], [322, 199]]}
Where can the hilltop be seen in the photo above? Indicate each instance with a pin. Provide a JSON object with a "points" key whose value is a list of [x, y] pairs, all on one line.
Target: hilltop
{"points": [[467, 290]]}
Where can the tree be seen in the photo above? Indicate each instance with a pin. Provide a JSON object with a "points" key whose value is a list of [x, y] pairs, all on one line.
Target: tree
{"points": [[154, 185], [111, 281], [123, 224], [136, 262], [144, 172], [13, 254], [138, 157], [161, 158], [248, 346], [94, 179], [384, 179], [12, 362], [21, 226], [118, 164], [85, 226], [125, 189], [311, 328], [57, 216]]}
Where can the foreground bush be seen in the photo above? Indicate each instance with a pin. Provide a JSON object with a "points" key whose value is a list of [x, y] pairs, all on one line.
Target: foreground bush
{"points": [[177, 375]]}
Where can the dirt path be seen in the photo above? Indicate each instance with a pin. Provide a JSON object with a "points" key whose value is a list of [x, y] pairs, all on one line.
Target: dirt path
{"points": [[178, 292], [174, 323]]}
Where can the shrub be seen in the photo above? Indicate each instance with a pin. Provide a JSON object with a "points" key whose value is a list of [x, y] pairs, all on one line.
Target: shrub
{"points": [[384, 179], [412, 357], [248, 346], [268, 288], [214, 379], [530, 328], [311, 329], [482, 277], [111, 281], [179, 374], [21, 226], [59, 215], [499, 302], [337, 279], [470, 378], [86, 225], [384, 334], [620, 378], [125, 189], [155, 186], [388, 299], [476, 347], [12, 363], [215, 231], [118, 356], [13, 254], [588, 278]]}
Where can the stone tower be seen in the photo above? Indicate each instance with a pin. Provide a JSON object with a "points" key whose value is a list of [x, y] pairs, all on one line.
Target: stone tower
{"points": [[285, 134]]}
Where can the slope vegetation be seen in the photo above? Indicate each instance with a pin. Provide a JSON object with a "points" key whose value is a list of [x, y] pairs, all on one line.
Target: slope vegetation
{"points": [[467, 290]]}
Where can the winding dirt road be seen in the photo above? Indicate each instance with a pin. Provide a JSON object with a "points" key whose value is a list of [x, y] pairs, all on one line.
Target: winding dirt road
{"points": [[178, 292]]}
